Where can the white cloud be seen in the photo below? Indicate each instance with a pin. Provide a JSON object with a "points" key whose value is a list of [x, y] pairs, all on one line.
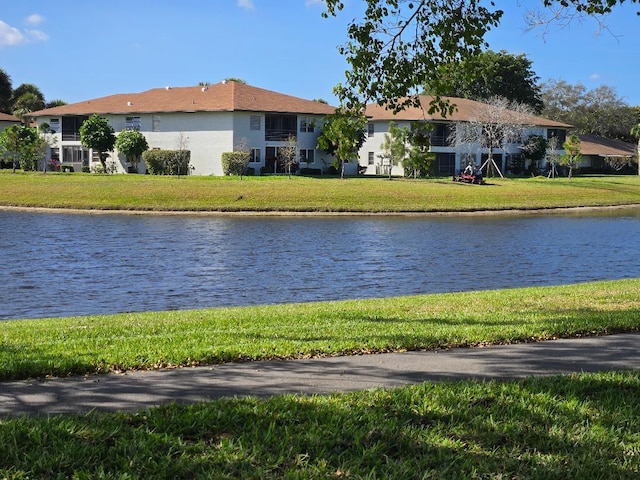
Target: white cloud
{"points": [[246, 4], [594, 76], [10, 36], [34, 19], [37, 35]]}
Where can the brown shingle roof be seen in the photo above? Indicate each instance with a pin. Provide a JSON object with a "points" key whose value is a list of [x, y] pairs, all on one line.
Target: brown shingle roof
{"points": [[223, 96], [605, 147], [5, 117], [465, 110]]}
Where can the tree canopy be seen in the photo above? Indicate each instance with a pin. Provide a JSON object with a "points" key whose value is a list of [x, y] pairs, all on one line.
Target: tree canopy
{"points": [[96, 133], [132, 144], [342, 135], [6, 92], [599, 111], [399, 47], [493, 74], [23, 146]]}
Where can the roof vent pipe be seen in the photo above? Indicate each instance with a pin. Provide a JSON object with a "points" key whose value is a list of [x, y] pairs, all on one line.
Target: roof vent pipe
{"points": [[129, 104]]}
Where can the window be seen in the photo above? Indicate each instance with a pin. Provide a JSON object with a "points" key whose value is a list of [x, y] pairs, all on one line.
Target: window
{"points": [[441, 135], [54, 125], [132, 123], [445, 163], [254, 156], [558, 133], [71, 127], [255, 123], [307, 124], [75, 154], [370, 129], [279, 127], [307, 155], [371, 159], [155, 123]]}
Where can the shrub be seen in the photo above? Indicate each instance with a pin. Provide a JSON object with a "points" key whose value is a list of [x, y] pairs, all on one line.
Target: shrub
{"points": [[234, 163], [167, 162]]}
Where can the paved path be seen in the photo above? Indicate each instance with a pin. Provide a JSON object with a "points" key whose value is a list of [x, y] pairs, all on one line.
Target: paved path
{"points": [[137, 390]]}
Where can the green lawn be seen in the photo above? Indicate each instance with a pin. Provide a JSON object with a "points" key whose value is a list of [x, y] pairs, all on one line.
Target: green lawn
{"points": [[578, 427], [94, 344], [306, 194], [581, 426]]}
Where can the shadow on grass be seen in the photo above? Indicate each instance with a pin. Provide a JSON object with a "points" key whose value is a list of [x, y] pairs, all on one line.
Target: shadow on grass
{"points": [[554, 428]]}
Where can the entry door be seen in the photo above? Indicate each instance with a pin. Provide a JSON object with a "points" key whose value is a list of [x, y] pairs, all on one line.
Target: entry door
{"points": [[270, 161]]}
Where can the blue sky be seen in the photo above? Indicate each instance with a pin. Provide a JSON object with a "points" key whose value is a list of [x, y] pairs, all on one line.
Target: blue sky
{"points": [[78, 50]]}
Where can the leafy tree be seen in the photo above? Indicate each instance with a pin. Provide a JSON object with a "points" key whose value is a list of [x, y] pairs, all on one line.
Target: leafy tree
{"points": [[23, 145], [132, 144], [599, 111], [493, 74], [6, 92], [399, 47], [55, 103], [28, 88], [420, 159], [343, 133], [25, 104], [97, 134], [394, 146], [572, 156], [534, 149]]}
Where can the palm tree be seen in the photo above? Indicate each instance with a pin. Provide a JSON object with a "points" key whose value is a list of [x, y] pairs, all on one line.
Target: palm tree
{"points": [[635, 131]]}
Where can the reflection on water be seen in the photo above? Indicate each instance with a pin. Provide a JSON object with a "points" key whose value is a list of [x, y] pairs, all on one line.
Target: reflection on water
{"points": [[70, 264]]}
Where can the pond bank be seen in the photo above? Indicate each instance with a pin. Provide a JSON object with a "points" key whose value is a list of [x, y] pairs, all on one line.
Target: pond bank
{"points": [[290, 213]]}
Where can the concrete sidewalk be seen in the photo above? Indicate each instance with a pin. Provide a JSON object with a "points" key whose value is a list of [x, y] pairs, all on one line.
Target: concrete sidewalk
{"points": [[137, 390]]}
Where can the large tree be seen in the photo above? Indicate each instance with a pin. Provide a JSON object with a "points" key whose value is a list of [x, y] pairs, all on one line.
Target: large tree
{"points": [[6, 92], [398, 47], [493, 74], [342, 135], [599, 111], [97, 134]]}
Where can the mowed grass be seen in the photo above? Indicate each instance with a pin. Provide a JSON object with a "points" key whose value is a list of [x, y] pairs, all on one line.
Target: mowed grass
{"points": [[576, 427], [98, 344], [309, 194], [583, 426]]}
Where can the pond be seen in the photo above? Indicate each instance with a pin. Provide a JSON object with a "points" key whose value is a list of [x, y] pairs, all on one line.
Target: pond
{"points": [[73, 264]]}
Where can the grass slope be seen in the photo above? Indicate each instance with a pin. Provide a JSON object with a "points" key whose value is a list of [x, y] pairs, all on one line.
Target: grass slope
{"points": [[305, 194], [97, 344]]}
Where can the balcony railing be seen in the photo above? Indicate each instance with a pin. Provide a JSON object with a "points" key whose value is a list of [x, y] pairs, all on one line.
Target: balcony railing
{"points": [[278, 135]]}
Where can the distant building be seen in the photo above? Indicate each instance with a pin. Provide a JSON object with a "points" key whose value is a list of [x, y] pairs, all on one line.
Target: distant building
{"points": [[451, 154], [208, 120], [600, 154], [7, 120]]}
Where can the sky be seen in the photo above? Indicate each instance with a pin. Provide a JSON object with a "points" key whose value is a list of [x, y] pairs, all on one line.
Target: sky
{"points": [[78, 50]]}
